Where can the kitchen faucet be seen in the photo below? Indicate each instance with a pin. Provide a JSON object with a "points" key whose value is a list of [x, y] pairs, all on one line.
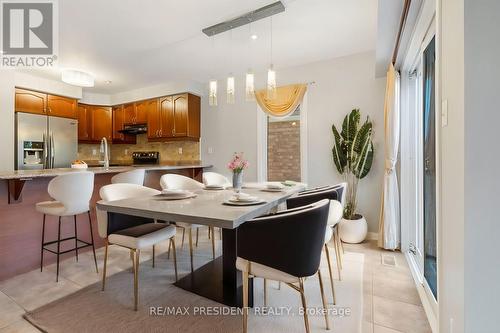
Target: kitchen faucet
{"points": [[104, 150]]}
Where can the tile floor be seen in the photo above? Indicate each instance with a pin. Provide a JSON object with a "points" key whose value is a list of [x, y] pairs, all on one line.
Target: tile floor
{"points": [[391, 301]]}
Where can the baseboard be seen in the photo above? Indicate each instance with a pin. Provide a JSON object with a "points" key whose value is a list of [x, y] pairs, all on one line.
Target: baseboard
{"points": [[372, 236]]}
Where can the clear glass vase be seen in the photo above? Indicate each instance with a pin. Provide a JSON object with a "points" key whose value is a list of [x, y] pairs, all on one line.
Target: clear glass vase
{"points": [[237, 181]]}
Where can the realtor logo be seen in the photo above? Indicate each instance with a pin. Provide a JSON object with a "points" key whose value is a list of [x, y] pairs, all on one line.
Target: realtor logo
{"points": [[28, 33]]}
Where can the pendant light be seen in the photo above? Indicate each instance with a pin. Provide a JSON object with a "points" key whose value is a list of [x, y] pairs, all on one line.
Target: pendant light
{"points": [[212, 94], [212, 85], [230, 78], [250, 77], [271, 74]]}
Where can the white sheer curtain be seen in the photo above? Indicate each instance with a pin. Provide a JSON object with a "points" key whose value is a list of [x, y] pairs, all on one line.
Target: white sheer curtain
{"points": [[389, 233]]}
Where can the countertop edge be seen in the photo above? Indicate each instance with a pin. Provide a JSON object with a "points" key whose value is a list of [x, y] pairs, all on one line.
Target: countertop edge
{"points": [[23, 174]]}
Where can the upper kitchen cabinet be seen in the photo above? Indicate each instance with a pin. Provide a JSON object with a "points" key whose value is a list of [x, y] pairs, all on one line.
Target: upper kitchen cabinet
{"points": [[153, 120], [30, 101], [101, 123], [94, 123], [179, 118], [129, 114], [118, 113], [58, 106], [142, 108], [41, 103], [84, 122]]}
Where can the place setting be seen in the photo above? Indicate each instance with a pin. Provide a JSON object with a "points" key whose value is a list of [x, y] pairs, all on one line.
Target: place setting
{"points": [[169, 194], [243, 199]]}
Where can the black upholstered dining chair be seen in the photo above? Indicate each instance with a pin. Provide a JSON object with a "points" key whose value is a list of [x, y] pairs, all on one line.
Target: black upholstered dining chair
{"points": [[285, 247], [335, 194]]}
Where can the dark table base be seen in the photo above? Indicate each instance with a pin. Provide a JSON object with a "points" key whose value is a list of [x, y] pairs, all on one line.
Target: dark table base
{"points": [[219, 279]]}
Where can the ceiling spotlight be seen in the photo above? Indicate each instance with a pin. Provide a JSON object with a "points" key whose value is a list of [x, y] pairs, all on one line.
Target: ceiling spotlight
{"points": [[254, 36], [107, 82]]}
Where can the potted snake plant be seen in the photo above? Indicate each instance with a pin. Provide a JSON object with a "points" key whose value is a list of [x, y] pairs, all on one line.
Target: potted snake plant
{"points": [[353, 156]]}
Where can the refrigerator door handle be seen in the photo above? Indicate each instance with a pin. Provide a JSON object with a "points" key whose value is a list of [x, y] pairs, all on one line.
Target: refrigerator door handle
{"points": [[45, 155], [52, 150]]}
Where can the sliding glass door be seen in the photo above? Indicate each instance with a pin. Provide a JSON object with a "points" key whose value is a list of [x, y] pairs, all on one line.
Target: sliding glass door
{"points": [[429, 167]]}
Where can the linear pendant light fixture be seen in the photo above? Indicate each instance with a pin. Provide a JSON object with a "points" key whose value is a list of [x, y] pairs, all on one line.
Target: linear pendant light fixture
{"points": [[255, 15], [271, 74]]}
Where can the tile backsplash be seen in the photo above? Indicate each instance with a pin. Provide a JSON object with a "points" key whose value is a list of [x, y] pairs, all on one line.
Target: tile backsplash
{"points": [[169, 151]]}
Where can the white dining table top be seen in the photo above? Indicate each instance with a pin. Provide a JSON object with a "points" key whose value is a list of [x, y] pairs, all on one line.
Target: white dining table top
{"points": [[206, 208]]}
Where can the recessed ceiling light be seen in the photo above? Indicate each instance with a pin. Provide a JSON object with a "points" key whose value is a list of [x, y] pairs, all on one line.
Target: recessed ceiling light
{"points": [[2, 51], [107, 81], [254, 37]]}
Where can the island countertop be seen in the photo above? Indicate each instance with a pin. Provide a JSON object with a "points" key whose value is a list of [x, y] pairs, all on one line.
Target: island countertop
{"points": [[23, 174]]}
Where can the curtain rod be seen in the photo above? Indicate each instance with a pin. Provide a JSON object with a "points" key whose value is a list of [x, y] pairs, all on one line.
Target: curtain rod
{"points": [[402, 23]]}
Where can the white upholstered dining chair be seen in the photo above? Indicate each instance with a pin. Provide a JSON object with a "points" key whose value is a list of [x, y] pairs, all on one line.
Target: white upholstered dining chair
{"points": [[179, 182], [215, 179], [129, 177], [131, 232]]}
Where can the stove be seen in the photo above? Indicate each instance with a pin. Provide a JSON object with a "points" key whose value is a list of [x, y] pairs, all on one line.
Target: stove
{"points": [[145, 157]]}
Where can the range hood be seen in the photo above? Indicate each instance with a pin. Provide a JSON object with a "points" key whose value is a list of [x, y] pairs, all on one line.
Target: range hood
{"points": [[134, 129]]}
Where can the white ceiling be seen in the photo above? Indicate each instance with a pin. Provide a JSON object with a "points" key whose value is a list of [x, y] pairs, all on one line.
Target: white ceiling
{"points": [[138, 43]]}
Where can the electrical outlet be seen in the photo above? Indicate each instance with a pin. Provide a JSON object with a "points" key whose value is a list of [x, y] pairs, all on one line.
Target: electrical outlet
{"points": [[94, 152], [180, 150], [210, 150], [126, 151]]}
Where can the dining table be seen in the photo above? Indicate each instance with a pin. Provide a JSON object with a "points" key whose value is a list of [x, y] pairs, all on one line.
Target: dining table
{"points": [[218, 279]]}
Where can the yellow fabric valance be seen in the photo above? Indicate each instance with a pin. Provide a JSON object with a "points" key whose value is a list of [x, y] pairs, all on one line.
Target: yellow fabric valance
{"points": [[286, 100]]}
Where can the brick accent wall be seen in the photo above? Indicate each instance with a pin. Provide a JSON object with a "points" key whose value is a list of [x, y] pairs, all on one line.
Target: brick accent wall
{"points": [[283, 150]]}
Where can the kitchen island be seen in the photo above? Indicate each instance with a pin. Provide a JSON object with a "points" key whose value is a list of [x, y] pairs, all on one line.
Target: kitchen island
{"points": [[21, 224]]}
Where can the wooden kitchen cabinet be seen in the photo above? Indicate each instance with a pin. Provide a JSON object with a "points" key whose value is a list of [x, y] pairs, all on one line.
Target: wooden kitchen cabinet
{"points": [[153, 121], [101, 123], [118, 114], [30, 101], [84, 123], [59, 106], [94, 123], [142, 109], [178, 119], [40, 103], [129, 114]]}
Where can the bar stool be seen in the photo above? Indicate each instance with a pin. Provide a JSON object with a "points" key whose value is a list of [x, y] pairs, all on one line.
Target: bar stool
{"points": [[71, 193], [129, 177]]}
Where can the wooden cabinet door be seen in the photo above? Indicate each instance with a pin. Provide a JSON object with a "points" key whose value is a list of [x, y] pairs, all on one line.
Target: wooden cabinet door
{"points": [[59, 106], [101, 123], [84, 123], [118, 121], [153, 121], [129, 114], [30, 101], [141, 110], [167, 117], [180, 115]]}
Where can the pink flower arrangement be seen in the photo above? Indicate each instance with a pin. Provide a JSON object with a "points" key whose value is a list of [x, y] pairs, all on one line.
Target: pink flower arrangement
{"points": [[237, 164]]}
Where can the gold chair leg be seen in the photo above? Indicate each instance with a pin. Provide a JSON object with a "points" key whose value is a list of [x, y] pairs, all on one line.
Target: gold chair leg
{"points": [[168, 252], [213, 242], [337, 255], [265, 293], [154, 256], [327, 251], [323, 299], [172, 241], [136, 279], [245, 301], [209, 232], [182, 242], [190, 236], [197, 236], [105, 264], [304, 305]]}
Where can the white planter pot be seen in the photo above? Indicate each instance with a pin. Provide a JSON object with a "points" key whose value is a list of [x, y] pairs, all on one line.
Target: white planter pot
{"points": [[353, 231]]}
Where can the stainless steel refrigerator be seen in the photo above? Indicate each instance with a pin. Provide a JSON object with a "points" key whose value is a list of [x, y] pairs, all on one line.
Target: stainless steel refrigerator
{"points": [[44, 142]]}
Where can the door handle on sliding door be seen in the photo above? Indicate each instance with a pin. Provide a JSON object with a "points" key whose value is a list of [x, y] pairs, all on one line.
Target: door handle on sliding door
{"points": [[52, 150], [45, 151]]}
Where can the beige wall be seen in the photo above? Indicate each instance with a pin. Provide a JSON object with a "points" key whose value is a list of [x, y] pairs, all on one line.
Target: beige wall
{"points": [[169, 151], [341, 85]]}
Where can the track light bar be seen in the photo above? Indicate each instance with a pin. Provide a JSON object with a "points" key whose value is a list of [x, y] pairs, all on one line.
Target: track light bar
{"points": [[247, 18]]}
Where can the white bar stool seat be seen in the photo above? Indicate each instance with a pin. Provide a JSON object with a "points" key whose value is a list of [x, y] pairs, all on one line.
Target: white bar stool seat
{"points": [[129, 177], [71, 193]]}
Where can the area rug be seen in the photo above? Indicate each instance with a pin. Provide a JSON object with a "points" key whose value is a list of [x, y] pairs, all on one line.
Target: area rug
{"points": [[166, 308]]}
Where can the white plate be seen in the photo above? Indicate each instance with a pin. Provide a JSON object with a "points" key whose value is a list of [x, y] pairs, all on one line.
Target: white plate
{"points": [[214, 187], [177, 196], [243, 203], [272, 189]]}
